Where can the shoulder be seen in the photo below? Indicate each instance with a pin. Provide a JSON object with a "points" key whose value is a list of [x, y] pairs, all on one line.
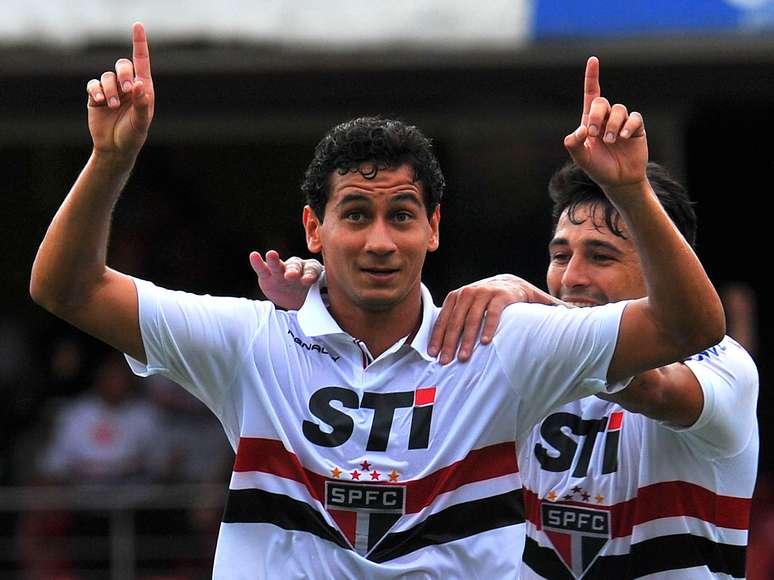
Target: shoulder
{"points": [[151, 292], [550, 323], [728, 378], [727, 361], [526, 314], [202, 312]]}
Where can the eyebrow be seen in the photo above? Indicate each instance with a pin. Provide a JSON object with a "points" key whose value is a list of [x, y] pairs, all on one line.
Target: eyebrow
{"points": [[396, 198], [590, 244]]}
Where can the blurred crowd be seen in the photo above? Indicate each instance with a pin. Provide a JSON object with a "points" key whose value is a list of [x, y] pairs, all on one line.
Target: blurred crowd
{"points": [[107, 429]]}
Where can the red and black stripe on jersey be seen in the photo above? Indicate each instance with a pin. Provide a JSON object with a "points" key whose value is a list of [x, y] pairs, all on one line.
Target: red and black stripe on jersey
{"points": [[452, 523], [659, 554]]}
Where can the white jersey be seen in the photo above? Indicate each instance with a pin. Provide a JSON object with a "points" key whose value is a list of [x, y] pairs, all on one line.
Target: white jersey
{"points": [[612, 494], [348, 467]]}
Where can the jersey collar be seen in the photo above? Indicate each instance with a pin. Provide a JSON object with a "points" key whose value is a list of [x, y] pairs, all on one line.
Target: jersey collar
{"points": [[315, 320]]}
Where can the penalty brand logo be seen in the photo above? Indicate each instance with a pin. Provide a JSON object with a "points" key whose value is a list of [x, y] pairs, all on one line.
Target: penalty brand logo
{"points": [[312, 347], [329, 405]]}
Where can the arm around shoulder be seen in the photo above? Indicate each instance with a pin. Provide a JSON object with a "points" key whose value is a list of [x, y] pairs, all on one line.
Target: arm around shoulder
{"points": [[671, 394], [711, 397]]}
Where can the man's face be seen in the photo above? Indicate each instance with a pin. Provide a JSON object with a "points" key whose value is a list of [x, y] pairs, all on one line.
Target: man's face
{"points": [[374, 237], [589, 265]]}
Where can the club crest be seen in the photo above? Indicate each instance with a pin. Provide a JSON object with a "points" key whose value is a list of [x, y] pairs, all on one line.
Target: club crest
{"points": [[577, 533]]}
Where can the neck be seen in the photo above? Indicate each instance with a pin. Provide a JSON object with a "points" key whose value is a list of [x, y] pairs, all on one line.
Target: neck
{"points": [[379, 329]]}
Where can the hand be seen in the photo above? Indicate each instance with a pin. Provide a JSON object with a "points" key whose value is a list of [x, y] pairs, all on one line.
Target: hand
{"points": [[466, 308], [121, 103], [286, 283], [610, 144]]}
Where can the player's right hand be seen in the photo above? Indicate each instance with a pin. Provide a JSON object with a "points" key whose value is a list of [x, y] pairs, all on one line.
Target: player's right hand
{"points": [[120, 102], [610, 144], [285, 283]]}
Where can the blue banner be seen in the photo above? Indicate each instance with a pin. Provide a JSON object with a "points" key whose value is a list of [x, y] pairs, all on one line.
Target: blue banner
{"points": [[603, 18]]}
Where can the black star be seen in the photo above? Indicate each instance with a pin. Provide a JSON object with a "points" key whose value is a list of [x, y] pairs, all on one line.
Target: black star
{"points": [[576, 489], [567, 497], [585, 496]]}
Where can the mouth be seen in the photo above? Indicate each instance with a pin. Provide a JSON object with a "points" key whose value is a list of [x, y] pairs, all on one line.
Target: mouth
{"points": [[381, 274], [580, 301]]}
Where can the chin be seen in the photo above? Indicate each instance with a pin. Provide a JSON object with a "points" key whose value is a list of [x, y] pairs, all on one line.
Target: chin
{"points": [[379, 301]]}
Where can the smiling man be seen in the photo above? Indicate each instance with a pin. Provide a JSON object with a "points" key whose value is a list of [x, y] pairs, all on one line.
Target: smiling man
{"points": [[358, 455], [654, 480]]}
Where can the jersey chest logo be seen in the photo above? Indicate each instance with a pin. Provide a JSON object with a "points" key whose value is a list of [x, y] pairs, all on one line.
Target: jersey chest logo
{"points": [[336, 426], [578, 533], [570, 436], [364, 512]]}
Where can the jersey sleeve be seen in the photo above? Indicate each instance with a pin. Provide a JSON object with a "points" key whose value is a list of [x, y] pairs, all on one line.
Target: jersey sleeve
{"points": [[554, 354], [196, 341], [729, 382]]}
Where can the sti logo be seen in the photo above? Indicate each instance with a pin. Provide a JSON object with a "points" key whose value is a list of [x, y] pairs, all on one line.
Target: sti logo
{"points": [[577, 534], [339, 425], [573, 440], [364, 513]]}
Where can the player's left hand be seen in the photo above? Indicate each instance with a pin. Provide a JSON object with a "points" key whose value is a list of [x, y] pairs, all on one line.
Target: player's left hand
{"points": [[610, 144], [285, 283], [467, 308]]}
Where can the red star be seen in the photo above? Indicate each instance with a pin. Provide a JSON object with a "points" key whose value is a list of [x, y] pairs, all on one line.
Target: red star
{"points": [[355, 474], [394, 475], [365, 466], [375, 474]]}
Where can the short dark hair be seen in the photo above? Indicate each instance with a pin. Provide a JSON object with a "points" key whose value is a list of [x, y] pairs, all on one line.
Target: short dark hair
{"points": [[383, 142], [571, 187]]}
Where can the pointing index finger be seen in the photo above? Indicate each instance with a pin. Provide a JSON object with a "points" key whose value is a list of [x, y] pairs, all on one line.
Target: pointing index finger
{"points": [[591, 88], [140, 53]]}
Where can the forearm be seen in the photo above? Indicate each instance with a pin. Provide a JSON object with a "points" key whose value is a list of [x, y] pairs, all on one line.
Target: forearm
{"points": [[682, 301], [671, 393], [71, 260]]}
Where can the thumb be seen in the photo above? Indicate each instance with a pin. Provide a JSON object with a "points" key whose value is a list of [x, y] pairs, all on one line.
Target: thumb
{"points": [[575, 143]]}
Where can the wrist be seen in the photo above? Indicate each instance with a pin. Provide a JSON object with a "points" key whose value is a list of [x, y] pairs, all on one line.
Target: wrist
{"points": [[624, 191], [112, 162]]}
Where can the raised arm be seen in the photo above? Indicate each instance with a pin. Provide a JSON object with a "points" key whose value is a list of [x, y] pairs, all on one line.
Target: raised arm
{"points": [[69, 276], [682, 313]]}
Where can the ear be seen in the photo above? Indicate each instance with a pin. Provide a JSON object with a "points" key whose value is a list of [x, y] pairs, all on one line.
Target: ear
{"points": [[435, 221], [312, 228]]}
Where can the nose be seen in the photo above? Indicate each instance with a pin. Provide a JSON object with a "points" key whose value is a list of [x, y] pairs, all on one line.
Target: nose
{"points": [[380, 240], [576, 273]]}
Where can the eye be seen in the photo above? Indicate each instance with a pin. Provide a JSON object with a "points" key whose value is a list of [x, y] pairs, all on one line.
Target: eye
{"points": [[602, 258], [354, 216], [403, 216], [560, 258]]}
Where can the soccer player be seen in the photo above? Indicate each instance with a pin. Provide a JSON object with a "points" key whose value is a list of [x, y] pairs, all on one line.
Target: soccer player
{"points": [[654, 480], [358, 454]]}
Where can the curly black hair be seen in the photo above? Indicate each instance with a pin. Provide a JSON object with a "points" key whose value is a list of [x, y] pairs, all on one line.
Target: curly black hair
{"points": [[571, 187], [382, 143]]}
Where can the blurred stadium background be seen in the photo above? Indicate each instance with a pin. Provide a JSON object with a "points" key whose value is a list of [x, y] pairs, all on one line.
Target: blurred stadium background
{"points": [[244, 90]]}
